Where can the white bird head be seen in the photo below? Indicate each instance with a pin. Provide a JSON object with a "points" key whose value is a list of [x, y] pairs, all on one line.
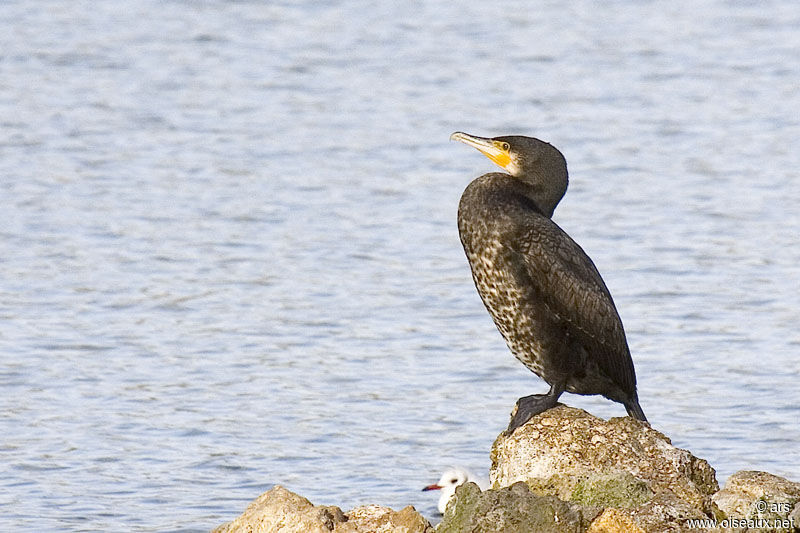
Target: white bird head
{"points": [[451, 479]]}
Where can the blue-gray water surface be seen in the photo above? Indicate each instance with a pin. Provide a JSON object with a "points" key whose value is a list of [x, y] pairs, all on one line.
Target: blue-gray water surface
{"points": [[229, 259]]}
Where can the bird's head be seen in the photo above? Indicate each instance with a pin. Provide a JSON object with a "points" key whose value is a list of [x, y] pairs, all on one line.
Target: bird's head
{"points": [[450, 479], [537, 163]]}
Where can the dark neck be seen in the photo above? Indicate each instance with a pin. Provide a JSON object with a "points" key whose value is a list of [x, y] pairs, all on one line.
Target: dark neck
{"points": [[541, 190]]}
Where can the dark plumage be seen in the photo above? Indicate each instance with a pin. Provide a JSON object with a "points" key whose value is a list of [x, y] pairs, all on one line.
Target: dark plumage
{"points": [[543, 292]]}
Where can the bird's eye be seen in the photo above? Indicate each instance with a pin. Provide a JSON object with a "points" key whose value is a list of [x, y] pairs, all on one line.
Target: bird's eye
{"points": [[506, 147]]}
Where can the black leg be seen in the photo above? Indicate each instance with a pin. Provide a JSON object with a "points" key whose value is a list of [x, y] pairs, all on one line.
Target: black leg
{"points": [[530, 406]]}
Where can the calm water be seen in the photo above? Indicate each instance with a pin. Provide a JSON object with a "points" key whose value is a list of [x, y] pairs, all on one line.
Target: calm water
{"points": [[229, 259]]}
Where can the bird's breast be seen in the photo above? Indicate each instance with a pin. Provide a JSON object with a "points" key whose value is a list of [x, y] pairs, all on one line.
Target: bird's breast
{"points": [[508, 301]]}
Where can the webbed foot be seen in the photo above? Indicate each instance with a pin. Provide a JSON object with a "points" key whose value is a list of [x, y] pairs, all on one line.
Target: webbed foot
{"points": [[530, 406]]}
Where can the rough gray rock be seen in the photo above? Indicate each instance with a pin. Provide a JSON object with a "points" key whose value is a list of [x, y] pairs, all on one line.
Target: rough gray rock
{"points": [[663, 513], [570, 454], [281, 511], [513, 509], [566, 471], [761, 496]]}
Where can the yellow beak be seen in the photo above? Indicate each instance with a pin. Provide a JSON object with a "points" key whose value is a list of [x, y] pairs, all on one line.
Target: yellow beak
{"points": [[497, 151]]}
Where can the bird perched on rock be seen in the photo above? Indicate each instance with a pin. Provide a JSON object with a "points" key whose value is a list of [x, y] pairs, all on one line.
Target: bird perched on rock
{"points": [[543, 292], [452, 478]]}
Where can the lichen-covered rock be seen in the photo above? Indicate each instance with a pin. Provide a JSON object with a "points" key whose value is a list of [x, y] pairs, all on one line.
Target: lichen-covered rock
{"points": [[761, 496], [620, 489], [565, 452], [566, 471], [513, 509], [281, 511], [663, 513]]}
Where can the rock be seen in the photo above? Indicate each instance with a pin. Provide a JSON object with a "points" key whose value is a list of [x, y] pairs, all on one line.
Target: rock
{"points": [[664, 513], [614, 521], [761, 496], [566, 471], [513, 509], [281, 511], [620, 489], [622, 462], [378, 519]]}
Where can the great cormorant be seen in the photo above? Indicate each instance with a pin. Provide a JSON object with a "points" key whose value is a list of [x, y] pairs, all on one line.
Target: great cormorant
{"points": [[543, 292]]}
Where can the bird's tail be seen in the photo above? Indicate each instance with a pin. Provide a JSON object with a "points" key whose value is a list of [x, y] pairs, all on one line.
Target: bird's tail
{"points": [[635, 410]]}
